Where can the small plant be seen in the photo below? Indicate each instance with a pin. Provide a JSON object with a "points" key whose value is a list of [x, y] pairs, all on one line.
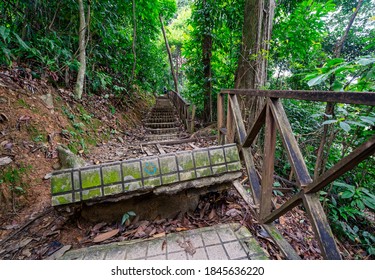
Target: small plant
{"points": [[112, 109], [86, 118], [14, 178], [127, 216], [39, 138]]}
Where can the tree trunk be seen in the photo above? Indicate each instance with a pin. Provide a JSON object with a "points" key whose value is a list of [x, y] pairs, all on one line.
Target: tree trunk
{"points": [[325, 146], [82, 52], [207, 67], [134, 43], [252, 65], [169, 55]]}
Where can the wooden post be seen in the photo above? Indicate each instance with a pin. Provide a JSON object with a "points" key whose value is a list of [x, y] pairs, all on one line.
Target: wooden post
{"points": [[220, 118], [321, 227], [268, 164], [230, 123]]}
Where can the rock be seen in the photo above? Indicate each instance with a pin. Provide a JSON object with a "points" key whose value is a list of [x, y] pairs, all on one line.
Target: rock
{"points": [[48, 100], [56, 166], [120, 140], [68, 159], [5, 160], [48, 176]]}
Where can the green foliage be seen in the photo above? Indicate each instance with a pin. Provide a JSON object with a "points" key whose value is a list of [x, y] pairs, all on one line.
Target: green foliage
{"points": [[223, 21], [14, 177], [127, 216]]}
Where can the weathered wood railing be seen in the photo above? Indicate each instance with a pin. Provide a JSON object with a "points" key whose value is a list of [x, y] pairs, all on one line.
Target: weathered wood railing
{"points": [[274, 118], [185, 112]]}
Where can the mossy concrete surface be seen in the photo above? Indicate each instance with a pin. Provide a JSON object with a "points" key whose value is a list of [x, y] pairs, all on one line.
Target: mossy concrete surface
{"points": [[140, 175]]}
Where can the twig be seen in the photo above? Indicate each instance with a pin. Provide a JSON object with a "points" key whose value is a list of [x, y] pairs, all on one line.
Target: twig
{"points": [[25, 226]]}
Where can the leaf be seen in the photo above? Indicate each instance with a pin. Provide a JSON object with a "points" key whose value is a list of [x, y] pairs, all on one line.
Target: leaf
{"points": [[131, 213], [329, 122], [366, 61], [347, 194], [317, 80], [21, 42], [104, 236], [124, 218], [345, 126]]}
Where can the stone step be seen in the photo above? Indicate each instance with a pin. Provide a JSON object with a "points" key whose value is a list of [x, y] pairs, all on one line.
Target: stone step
{"points": [[156, 137], [160, 120], [166, 173], [220, 242], [161, 131], [162, 125]]}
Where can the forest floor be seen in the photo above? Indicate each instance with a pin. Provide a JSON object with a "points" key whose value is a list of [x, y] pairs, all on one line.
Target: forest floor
{"points": [[100, 130]]}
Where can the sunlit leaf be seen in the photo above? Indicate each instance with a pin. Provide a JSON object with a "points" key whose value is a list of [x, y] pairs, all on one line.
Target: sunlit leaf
{"points": [[345, 126]]}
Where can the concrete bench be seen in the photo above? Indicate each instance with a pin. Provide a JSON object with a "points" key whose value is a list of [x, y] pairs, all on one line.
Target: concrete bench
{"points": [[168, 173]]}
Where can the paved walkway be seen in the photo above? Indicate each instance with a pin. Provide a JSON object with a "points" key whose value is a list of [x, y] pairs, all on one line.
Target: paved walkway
{"points": [[220, 242]]}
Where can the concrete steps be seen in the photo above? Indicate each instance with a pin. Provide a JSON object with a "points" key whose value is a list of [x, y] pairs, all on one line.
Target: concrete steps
{"points": [[162, 122]]}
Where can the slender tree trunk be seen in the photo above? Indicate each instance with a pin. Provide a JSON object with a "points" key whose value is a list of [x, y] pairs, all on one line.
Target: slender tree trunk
{"points": [[252, 65], [325, 145], [207, 67], [134, 45], [82, 52], [169, 55]]}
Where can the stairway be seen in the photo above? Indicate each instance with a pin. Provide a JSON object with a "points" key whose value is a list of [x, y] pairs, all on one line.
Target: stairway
{"points": [[162, 122]]}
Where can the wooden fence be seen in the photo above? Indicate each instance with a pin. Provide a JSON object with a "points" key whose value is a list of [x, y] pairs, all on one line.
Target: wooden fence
{"points": [[185, 111], [274, 119]]}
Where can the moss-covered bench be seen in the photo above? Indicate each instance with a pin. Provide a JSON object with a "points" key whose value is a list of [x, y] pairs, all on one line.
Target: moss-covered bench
{"points": [[168, 173]]}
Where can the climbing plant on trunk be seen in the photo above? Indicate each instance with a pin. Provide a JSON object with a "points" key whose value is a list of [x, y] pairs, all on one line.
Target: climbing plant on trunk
{"points": [[252, 64], [82, 49]]}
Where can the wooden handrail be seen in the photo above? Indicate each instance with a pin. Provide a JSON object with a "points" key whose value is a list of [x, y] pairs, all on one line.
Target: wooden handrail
{"points": [[347, 97], [274, 118], [184, 111]]}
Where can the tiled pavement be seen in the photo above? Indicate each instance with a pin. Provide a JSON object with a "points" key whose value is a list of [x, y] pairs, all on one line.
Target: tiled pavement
{"points": [[220, 242]]}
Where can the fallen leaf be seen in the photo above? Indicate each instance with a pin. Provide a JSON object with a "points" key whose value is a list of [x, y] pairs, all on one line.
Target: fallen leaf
{"points": [[282, 220], [212, 214], [104, 236], [159, 235], [97, 227]]}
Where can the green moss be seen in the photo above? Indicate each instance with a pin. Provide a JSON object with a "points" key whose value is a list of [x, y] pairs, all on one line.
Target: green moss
{"points": [[169, 179], [168, 164], [110, 190], [201, 159], [62, 199], [231, 154], [61, 183], [184, 176], [154, 182], [185, 161], [203, 172], [90, 178], [235, 166], [111, 174], [89, 194], [131, 170], [217, 156], [219, 169]]}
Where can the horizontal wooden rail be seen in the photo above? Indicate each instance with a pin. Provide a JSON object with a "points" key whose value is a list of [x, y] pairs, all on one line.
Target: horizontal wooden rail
{"points": [[273, 118], [347, 97]]}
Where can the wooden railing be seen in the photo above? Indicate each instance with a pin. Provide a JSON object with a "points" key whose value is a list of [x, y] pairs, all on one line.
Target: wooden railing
{"points": [[274, 118], [185, 111]]}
